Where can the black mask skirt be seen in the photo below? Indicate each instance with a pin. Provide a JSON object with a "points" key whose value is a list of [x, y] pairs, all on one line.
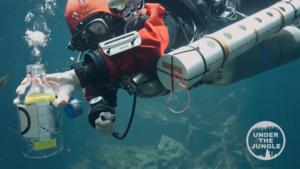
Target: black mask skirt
{"points": [[94, 30]]}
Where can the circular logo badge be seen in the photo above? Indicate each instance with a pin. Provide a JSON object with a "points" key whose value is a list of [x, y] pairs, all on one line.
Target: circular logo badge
{"points": [[265, 140]]}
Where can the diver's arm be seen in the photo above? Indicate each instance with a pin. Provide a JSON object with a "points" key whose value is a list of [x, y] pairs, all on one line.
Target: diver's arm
{"points": [[93, 75], [93, 70]]}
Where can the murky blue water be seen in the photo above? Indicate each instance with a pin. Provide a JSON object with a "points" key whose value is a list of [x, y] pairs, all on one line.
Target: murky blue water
{"points": [[211, 134]]}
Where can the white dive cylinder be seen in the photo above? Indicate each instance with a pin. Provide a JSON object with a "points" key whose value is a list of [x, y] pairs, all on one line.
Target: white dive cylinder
{"points": [[192, 63], [281, 48]]}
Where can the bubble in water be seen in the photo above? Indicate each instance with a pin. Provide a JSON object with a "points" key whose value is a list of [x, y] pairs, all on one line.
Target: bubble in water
{"points": [[36, 52], [35, 38], [72, 58], [41, 25], [29, 17], [39, 35], [48, 7]]}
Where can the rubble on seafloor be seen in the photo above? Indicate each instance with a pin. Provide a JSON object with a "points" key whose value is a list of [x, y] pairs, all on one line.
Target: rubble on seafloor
{"points": [[169, 153], [159, 116], [213, 140]]}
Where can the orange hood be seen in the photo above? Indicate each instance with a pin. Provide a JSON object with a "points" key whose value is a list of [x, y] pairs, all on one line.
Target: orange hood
{"points": [[78, 10]]}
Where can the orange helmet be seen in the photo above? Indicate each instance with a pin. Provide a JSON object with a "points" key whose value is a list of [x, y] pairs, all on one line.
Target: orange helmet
{"points": [[78, 10]]}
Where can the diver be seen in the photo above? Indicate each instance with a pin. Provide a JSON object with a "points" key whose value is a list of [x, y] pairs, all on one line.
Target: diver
{"points": [[121, 44], [98, 28], [100, 73]]}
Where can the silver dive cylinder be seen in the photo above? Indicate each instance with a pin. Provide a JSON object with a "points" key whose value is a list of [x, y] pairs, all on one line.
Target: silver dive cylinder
{"points": [[195, 62], [147, 86], [39, 120]]}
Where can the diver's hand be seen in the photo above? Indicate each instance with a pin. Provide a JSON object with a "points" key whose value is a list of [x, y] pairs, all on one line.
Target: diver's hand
{"points": [[105, 122], [64, 84], [22, 88]]}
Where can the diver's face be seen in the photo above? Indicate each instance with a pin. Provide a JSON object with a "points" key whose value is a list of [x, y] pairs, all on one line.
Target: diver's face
{"points": [[88, 37]]}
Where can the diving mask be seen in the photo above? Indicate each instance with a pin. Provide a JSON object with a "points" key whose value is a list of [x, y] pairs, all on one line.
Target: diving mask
{"points": [[89, 35], [125, 8]]}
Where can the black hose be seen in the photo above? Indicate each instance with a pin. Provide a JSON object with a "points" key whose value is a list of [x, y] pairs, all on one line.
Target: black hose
{"points": [[116, 134], [21, 109]]}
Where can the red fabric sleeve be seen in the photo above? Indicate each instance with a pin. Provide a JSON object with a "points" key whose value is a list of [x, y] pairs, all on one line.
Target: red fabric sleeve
{"points": [[155, 39]]}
